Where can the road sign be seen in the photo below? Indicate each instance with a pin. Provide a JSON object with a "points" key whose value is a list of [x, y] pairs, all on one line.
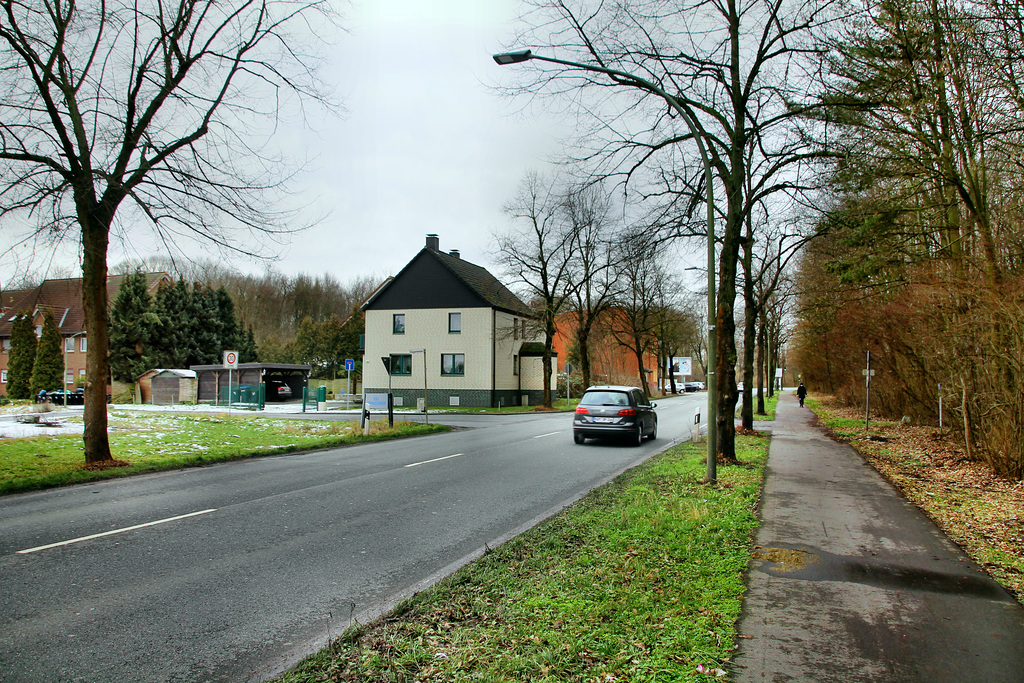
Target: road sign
{"points": [[231, 360], [350, 364]]}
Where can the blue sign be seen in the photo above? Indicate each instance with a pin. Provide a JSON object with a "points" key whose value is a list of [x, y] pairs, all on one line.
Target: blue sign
{"points": [[350, 364], [375, 401]]}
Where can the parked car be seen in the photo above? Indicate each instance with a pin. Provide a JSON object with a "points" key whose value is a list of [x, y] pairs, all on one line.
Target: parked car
{"points": [[278, 390], [615, 411], [690, 387]]}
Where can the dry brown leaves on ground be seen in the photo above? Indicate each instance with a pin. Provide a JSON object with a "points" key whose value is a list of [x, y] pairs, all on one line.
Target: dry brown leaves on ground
{"points": [[981, 512]]}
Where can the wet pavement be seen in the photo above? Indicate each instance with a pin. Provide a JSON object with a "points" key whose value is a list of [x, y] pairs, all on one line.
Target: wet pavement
{"points": [[850, 582]]}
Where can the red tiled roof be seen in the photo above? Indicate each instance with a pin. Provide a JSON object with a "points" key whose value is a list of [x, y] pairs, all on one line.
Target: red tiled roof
{"points": [[63, 298]]}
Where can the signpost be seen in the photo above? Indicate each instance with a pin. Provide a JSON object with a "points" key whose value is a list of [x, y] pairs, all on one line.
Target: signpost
{"points": [[350, 365], [231, 363], [868, 374]]}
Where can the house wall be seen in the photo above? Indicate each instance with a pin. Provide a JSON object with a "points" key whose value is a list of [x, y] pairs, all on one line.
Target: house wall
{"points": [[490, 340], [74, 356]]}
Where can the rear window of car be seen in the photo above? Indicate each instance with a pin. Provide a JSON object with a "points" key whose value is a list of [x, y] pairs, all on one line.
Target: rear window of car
{"points": [[605, 398]]}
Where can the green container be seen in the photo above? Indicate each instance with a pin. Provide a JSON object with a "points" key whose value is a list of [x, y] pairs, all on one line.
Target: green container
{"points": [[321, 394]]}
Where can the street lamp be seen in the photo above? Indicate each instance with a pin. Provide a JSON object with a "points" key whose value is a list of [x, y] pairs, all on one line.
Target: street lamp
{"points": [[690, 117], [426, 416]]}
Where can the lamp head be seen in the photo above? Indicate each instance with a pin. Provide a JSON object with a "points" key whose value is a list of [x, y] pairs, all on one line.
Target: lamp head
{"points": [[513, 57]]}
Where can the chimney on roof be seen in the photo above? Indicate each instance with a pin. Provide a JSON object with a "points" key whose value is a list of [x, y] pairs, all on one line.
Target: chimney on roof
{"points": [[433, 242], [454, 252]]}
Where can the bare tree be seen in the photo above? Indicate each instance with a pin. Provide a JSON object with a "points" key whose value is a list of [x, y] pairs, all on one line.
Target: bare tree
{"points": [[738, 65], [593, 285], [535, 255], [637, 312], [165, 108]]}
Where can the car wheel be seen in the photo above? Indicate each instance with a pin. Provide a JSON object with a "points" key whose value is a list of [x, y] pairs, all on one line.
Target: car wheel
{"points": [[654, 431], [578, 438], [638, 438]]}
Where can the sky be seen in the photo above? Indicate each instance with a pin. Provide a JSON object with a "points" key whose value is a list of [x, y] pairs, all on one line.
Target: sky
{"points": [[425, 145]]}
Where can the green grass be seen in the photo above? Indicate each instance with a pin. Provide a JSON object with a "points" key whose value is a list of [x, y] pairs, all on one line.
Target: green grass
{"points": [[640, 581], [153, 442], [844, 427]]}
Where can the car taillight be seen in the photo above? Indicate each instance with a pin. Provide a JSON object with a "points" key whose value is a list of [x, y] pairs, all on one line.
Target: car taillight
{"points": [[627, 411], [580, 410]]}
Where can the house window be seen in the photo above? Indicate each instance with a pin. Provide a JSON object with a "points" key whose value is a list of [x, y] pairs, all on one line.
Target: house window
{"points": [[523, 322], [515, 328], [454, 323], [69, 377], [81, 376], [401, 364], [515, 365], [453, 363], [69, 345], [83, 344], [398, 324], [7, 345], [3, 376]]}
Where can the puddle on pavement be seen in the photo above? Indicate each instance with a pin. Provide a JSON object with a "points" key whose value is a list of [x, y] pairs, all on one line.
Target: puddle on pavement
{"points": [[818, 565], [785, 559]]}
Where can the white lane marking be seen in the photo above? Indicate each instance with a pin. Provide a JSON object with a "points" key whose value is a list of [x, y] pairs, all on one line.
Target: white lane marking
{"points": [[424, 462], [548, 434], [112, 532]]}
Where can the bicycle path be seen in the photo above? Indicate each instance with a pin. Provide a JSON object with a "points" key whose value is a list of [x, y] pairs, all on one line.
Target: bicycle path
{"points": [[851, 582]]}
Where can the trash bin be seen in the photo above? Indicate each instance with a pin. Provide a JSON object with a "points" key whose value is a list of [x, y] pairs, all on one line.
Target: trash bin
{"points": [[321, 398]]}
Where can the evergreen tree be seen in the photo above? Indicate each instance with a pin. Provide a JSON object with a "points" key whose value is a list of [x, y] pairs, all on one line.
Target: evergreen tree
{"points": [[134, 326], [21, 358], [172, 305], [232, 335], [247, 351], [48, 369], [205, 328]]}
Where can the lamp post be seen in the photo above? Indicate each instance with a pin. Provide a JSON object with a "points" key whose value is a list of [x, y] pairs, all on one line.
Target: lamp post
{"points": [[690, 117], [426, 416]]}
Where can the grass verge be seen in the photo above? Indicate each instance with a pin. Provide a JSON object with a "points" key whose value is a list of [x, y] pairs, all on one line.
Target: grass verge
{"points": [[640, 581], [982, 513], [154, 442]]}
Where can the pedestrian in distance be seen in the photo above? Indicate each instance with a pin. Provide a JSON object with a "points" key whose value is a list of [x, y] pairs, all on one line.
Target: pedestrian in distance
{"points": [[801, 393]]}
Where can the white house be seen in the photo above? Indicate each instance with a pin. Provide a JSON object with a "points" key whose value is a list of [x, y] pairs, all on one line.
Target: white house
{"points": [[469, 330]]}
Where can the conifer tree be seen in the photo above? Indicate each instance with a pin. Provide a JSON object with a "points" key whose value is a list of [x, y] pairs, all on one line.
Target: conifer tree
{"points": [[21, 358], [247, 351], [172, 306], [48, 369], [134, 326]]}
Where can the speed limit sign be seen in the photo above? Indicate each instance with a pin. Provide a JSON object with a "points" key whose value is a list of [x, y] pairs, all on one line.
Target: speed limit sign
{"points": [[231, 360]]}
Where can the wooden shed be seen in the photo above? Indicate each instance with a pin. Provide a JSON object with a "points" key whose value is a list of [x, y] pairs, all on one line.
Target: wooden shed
{"points": [[166, 387]]}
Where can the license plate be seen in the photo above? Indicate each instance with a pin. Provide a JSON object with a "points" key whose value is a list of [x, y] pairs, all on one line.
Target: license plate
{"points": [[606, 419]]}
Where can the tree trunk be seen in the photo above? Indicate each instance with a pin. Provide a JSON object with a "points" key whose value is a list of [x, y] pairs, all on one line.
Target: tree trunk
{"points": [[762, 352], [95, 237], [749, 330]]}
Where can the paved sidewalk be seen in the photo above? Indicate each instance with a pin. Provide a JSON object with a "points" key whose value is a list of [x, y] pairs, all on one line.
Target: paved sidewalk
{"points": [[850, 582]]}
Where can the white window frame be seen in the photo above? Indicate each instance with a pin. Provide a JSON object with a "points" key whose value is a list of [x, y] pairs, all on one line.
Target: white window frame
{"points": [[69, 344]]}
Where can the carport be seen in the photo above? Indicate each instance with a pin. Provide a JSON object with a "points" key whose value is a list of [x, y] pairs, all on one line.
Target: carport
{"points": [[213, 379]]}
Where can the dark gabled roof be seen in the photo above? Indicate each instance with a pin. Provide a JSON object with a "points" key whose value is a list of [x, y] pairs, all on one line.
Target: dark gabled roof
{"points": [[483, 283], [477, 280]]}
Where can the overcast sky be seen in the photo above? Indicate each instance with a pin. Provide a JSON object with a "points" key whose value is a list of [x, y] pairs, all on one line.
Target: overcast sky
{"points": [[425, 146]]}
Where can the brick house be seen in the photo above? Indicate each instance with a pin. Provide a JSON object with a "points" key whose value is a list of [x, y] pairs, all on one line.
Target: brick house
{"points": [[63, 299], [468, 328]]}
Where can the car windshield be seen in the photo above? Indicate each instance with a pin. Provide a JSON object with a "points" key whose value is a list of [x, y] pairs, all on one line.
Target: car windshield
{"points": [[604, 398]]}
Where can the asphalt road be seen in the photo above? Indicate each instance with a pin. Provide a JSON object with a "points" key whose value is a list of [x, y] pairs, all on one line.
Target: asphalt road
{"points": [[236, 571]]}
